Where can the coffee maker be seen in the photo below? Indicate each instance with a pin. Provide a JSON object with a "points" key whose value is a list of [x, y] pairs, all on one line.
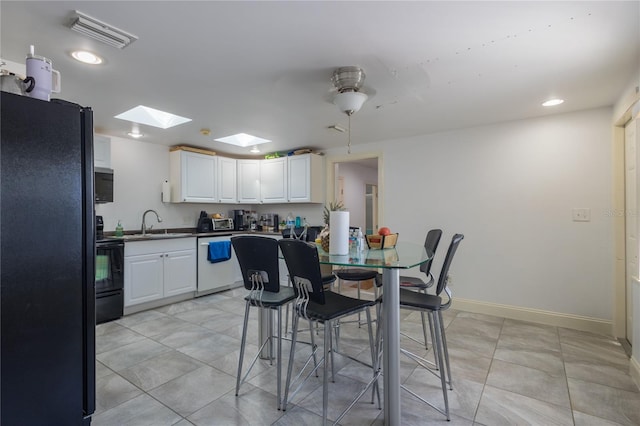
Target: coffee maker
{"points": [[239, 223]]}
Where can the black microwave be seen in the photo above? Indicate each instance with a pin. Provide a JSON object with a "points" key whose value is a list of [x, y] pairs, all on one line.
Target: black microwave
{"points": [[103, 183]]}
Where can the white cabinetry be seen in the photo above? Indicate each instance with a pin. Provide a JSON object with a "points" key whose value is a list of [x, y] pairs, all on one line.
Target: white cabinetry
{"points": [[273, 180], [305, 178], [227, 180], [193, 177], [201, 178], [101, 151], [248, 181], [143, 278], [158, 268]]}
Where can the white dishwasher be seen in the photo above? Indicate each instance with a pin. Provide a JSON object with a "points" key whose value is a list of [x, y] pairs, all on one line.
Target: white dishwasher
{"points": [[214, 277]]}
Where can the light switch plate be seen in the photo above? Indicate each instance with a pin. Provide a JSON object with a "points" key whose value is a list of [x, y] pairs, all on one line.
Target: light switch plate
{"points": [[581, 215]]}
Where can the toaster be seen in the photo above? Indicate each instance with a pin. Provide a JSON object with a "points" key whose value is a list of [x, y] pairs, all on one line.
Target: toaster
{"points": [[225, 224]]}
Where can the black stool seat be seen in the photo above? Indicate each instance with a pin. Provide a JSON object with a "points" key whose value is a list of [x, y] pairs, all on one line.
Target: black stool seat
{"points": [[414, 282], [328, 279], [335, 306], [357, 274], [418, 300]]}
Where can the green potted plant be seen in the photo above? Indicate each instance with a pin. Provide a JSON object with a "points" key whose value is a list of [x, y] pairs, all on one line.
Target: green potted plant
{"points": [[324, 235]]}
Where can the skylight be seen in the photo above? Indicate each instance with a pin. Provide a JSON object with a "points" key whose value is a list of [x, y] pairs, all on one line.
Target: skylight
{"points": [[152, 117], [242, 139]]}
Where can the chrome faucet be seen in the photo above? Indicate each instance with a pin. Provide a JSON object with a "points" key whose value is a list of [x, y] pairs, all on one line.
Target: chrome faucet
{"points": [[144, 225]]}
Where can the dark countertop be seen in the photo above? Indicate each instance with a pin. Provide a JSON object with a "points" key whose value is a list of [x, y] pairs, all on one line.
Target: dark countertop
{"points": [[179, 233]]}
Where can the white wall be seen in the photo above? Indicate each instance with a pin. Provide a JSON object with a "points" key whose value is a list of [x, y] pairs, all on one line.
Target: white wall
{"points": [[355, 178], [139, 170], [510, 189]]}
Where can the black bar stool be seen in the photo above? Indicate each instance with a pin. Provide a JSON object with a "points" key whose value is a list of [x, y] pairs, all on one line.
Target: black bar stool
{"points": [[258, 259]]}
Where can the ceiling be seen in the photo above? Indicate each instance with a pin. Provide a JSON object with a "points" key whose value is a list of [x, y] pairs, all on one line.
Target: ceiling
{"points": [[264, 68]]}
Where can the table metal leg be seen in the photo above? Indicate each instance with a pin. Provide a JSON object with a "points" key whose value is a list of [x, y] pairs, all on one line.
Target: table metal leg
{"points": [[391, 345]]}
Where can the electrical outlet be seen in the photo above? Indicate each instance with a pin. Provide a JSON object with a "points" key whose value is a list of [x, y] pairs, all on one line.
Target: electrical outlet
{"points": [[581, 215]]}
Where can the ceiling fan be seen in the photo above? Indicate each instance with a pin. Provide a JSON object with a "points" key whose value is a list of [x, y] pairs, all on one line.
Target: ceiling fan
{"points": [[348, 83], [350, 93]]}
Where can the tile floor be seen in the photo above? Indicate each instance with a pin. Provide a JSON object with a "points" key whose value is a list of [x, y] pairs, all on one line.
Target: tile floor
{"points": [[176, 365]]}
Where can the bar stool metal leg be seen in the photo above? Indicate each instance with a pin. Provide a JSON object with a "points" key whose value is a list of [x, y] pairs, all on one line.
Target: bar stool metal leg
{"points": [[242, 345]]}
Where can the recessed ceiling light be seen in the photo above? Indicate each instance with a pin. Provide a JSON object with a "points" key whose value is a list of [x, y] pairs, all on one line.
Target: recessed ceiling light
{"points": [[86, 57], [255, 150], [242, 139], [135, 134], [152, 117], [552, 102]]}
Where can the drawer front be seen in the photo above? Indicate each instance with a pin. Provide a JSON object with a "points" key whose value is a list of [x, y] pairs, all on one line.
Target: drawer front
{"points": [[135, 248]]}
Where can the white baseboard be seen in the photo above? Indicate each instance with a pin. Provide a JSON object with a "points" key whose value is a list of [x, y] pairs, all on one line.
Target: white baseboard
{"points": [[128, 310], [634, 371], [577, 322]]}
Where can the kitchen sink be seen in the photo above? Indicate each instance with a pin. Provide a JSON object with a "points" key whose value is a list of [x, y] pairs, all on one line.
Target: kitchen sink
{"points": [[171, 235]]}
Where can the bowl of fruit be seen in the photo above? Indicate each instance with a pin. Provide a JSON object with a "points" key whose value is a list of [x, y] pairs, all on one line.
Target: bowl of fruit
{"points": [[383, 239]]}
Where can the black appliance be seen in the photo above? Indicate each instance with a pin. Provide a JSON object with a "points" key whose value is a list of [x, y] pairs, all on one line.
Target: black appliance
{"points": [[109, 280], [47, 254], [205, 224], [99, 228], [239, 223], [103, 185]]}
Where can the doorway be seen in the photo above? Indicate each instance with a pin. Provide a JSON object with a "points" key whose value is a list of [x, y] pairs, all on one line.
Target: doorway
{"points": [[371, 208], [356, 181], [632, 269]]}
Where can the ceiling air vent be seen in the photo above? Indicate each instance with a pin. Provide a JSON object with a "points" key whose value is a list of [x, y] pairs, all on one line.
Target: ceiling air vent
{"points": [[101, 31]]}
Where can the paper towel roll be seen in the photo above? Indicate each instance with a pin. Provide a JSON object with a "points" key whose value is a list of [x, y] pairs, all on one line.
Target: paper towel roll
{"points": [[166, 192], [339, 239]]}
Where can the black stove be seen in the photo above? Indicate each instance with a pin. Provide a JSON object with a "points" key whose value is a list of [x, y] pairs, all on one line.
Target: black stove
{"points": [[109, 275]]}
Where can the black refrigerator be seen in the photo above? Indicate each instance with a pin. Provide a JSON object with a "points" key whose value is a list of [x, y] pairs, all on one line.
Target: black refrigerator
{"points": [[47, 258]]}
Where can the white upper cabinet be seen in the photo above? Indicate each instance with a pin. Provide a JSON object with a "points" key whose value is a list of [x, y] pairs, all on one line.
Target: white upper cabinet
{"points": [[101, 151], [193, 177], [273, 180], [227, 180], [248, 181], [305, 178], [202, 178]]}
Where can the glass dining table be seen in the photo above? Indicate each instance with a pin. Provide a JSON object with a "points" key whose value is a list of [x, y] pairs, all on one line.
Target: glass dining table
{"points": [[404, 256]]}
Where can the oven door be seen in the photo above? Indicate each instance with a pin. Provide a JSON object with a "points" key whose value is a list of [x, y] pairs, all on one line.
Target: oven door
{"points": [[109, 280]]}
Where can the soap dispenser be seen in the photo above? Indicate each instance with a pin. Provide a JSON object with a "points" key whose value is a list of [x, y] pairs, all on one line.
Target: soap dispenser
{"points": [[119, 230]]}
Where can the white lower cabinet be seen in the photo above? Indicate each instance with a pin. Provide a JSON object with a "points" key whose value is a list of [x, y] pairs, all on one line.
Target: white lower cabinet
{"points": [[179, 272], [143, 278], [159, 268]]}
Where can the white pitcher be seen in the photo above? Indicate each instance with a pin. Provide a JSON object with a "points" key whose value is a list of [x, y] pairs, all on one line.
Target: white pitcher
{"points": [[45, 79]]}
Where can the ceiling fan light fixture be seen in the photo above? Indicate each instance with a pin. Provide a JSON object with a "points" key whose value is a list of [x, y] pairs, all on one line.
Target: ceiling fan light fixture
{"points": [[349, 102]]}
